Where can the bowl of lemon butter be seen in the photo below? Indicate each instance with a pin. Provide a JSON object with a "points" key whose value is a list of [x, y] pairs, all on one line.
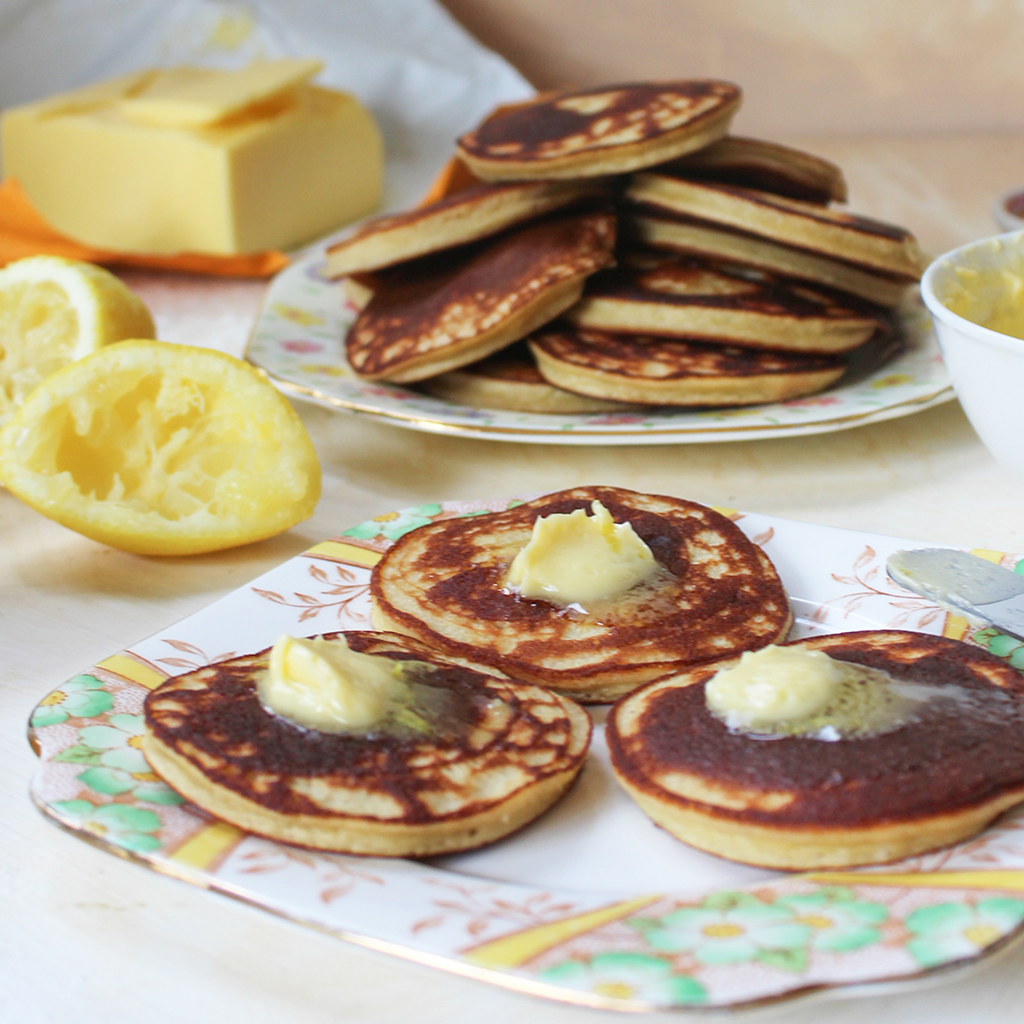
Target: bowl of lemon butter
{"points": [[975, 295]]}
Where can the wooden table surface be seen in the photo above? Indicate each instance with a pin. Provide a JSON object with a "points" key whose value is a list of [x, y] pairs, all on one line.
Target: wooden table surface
{"points": [[85, 937]]}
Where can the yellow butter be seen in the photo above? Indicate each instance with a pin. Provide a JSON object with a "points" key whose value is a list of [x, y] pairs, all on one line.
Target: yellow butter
{"points": [[193, 160], [325, 685], [579, 559], [991, 297], [774, 685]]}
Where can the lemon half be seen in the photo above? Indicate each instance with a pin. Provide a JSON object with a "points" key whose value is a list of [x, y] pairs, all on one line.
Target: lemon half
{"points": [[161, 449], [54, 311]]}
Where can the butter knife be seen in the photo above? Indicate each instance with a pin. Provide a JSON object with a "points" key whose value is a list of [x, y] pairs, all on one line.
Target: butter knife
{"points": [[964, 582]]}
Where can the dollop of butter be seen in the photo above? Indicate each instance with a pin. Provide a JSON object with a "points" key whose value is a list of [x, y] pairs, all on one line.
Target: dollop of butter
{"points": [[325, 685], [991, 297], [577, 559], [774, 686]]}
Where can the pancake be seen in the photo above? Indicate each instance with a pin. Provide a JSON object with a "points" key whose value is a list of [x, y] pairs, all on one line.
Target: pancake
{"points": [[454, 308], [663, 371], [716, 592], [687, 297], [510, 380], [802, 802], [766, 166], [608, 130], [501, 753], [475, 212], [883, 248], [713, 241], [359, 288]]}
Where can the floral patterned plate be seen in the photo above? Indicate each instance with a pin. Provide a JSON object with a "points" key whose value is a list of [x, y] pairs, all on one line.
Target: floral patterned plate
{"points": [[298, 341], [591, 904]]}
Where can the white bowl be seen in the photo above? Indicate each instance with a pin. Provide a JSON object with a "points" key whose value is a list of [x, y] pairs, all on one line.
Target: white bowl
{"points": [[987, 367]]}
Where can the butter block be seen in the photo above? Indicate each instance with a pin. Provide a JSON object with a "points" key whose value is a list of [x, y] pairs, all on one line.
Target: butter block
{"points": [[197, 160]]}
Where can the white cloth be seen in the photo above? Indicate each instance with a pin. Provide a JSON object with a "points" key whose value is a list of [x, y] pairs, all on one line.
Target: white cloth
{"points": [[425, 79]]}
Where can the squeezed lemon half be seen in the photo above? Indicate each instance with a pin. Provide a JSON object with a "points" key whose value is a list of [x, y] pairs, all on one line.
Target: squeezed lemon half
{"points": [[161, 449], [54, 311]]}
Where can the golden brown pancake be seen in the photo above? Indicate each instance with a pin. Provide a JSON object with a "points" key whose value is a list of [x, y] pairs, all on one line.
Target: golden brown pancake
{"points": [[802, 802], [687, 297], [665, 371], [608, 130], [883, 248], [475, 212], [498, 754], [510, 380], [690, 237], [766, 166], [716, 592], [446, 310]]}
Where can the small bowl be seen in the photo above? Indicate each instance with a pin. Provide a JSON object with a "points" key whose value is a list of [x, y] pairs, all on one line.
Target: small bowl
{"points": [[987, 366], [1004, 216]]}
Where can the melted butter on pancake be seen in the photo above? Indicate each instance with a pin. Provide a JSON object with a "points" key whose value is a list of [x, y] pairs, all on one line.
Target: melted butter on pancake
{"points": [[576, 559], [324, 685], [793, 691]]}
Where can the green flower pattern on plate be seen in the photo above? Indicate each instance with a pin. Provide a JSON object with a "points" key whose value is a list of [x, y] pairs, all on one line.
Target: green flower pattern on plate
{"points": [[737, 927], [956, 931], [129, 827], [393, 525], [634, 976], [115, 761], [839, 922], [80, 697]]}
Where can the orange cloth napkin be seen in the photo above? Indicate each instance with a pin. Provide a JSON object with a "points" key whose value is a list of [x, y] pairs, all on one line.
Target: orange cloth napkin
{"points": [[23, 232]]}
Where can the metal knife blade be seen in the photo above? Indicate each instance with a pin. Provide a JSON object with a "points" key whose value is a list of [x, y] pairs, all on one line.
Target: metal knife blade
{"points": [[965, 582]]}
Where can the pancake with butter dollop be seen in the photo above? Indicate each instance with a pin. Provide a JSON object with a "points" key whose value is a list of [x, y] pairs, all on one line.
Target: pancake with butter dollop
{"points": [[447, 756], [904, 743], [711, 592]]}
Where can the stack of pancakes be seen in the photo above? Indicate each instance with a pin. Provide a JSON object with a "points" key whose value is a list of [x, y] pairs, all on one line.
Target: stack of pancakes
{"points": [[636, 252]]}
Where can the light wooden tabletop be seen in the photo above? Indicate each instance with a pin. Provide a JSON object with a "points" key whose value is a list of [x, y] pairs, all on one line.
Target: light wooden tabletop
{"points": [[86, 937]]}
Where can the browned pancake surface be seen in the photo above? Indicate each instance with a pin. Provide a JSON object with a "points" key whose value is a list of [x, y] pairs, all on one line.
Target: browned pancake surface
{"points": [[574, 124], [961, 753], [663, 359], [214, 719], [420, 312], [765, 166], [443, 583], [676, 280]]}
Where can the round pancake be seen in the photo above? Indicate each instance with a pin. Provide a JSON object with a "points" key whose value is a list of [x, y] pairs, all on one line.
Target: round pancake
{"points": [[663, 371], [457, 307], [507, 751], [443, 583], [766, 166], [880, 247], [662, 230], [801, 802], [609, 130], [688, 297], [473, 213], [510, 380]]}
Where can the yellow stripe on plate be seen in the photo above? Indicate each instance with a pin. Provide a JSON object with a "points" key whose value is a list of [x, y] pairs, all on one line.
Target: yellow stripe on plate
{"points": [[137, 671], [1004, 880], [729, 513], [207, 847], [989, 556], [339, 552], [513, 950]]}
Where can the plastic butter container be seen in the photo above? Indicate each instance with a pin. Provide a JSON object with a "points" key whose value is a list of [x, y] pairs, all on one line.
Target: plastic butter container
{"points": [[202, 160]]}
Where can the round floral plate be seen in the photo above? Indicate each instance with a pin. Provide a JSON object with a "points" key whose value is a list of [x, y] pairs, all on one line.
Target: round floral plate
{"points": [[298, 340], [557, 909]]}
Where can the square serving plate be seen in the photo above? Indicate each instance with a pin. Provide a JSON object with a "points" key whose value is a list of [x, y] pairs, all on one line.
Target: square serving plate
{"points": [[592, 904]]}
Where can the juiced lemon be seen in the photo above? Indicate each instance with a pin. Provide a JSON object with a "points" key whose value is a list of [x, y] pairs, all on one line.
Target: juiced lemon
{"points": [[53, 311], [161, 449]]}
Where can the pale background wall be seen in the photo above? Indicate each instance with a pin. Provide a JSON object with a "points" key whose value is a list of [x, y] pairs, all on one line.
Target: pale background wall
{"points": [[807, 66]]}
